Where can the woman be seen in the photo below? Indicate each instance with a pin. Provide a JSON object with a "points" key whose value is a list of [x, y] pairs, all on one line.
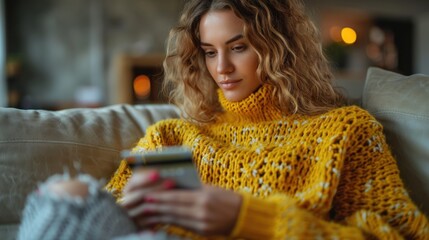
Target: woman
{"points": [[279, 154], [273, 133]]}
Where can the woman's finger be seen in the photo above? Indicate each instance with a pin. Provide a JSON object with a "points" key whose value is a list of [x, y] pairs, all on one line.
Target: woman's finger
{"points": [[207, 211], [201, 227], [176, 196], [142, 178], [136, 197], [175, 208], [140, 195], [150, 221]]}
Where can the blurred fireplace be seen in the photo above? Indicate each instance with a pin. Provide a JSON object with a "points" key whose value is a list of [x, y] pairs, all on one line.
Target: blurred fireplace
{"points": [[137, 80]]}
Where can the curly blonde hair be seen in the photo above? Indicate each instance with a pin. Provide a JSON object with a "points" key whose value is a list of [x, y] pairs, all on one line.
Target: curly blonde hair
{"points": [[287, 44]]}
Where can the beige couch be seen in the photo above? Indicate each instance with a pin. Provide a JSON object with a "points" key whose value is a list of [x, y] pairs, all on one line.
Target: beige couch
{"points": [[35, 144]]}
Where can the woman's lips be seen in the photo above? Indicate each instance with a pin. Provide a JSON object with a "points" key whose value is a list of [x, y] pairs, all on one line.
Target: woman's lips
{"points": [[229, 84]]}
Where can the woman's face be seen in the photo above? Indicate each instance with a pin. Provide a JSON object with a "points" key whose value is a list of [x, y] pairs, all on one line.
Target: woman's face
{"points": [[229, 58]]}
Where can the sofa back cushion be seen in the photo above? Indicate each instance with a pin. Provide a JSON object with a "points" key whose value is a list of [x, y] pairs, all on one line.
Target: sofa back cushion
{"points": [[34, 144], [401, 104]]}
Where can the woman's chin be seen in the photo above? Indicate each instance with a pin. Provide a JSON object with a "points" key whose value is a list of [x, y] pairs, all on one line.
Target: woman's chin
{"points": [[237, 95], [234, 97]]}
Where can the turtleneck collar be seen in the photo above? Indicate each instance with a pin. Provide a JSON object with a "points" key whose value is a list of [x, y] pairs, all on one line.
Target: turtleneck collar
{"points": [[258, 106]]}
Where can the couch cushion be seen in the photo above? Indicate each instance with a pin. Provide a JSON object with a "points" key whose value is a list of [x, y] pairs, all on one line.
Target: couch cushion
{"points": [[400, 103], [34, 144]]}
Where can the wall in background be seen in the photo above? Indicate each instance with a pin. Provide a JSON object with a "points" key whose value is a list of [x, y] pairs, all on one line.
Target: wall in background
{"points": [[3, 91], [66, 47], [51, 41], [415, 10], [422, 46]]}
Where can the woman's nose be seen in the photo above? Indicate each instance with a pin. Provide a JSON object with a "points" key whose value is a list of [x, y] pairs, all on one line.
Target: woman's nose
{"points": [[224, 64]]}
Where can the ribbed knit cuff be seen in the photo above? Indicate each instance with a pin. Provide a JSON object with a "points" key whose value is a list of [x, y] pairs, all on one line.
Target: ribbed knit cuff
{"points": [[257, 219]]}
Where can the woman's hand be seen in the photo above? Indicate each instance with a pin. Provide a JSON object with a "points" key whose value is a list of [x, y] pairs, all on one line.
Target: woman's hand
{"points": [[207, 211]]}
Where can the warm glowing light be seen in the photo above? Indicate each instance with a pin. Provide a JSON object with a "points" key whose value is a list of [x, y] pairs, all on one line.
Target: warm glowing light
{"points": [[348, 35], [141, 86]]}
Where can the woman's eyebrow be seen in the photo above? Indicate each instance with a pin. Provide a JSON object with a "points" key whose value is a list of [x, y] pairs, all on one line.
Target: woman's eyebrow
{"points": [[233, 39]]}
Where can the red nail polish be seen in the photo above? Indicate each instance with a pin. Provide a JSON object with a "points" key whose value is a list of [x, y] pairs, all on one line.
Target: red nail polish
{"points": [[169, 184], [149, 199], [153, 176]]}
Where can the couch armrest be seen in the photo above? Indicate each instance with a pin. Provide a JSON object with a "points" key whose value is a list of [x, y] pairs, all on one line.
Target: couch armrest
{"points": [[400, 104], [35, 144]]}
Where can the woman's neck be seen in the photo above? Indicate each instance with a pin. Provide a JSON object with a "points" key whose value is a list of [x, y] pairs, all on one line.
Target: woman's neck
{"points": [[258, 106]]}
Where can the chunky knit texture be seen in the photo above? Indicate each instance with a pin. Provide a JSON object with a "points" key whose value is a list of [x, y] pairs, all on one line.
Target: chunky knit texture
{"points": [[330, 175]]}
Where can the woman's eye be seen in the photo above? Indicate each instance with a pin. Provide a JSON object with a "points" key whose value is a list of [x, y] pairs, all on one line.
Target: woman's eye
{"points": [[210, 53], [239, 48]]}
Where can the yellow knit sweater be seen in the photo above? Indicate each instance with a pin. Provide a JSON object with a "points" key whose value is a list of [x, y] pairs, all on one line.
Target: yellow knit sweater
{"points": [[330, 175]]}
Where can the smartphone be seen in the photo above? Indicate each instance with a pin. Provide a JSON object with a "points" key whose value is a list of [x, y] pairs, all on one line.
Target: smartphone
{"points": [[174, 162]]}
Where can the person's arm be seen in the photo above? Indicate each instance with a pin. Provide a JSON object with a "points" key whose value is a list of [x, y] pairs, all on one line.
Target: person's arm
{"points": [[279, 217], [150, 141], [371, 189], [119, 179], [370, 202], [357, 211]]}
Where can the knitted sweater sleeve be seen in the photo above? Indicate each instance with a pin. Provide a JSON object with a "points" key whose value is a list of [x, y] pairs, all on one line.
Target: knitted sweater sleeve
{"points": [[370, 202], [150, 141]]}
